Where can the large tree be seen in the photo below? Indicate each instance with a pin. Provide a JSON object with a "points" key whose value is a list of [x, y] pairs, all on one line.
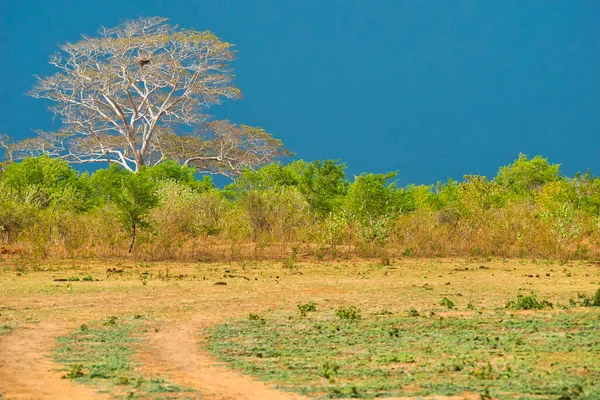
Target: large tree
{"points": [[138, 94]]}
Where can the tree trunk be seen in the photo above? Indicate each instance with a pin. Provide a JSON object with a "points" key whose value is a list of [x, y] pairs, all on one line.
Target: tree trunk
{"points": [[139, 160], [133, 226]]}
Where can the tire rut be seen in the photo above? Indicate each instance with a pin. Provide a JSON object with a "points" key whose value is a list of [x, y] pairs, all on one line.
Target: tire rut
{"points": [[176, 350], [27, 372]]}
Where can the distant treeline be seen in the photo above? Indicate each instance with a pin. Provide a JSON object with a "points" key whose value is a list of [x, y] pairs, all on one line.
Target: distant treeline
{"points": [[301, 209]]}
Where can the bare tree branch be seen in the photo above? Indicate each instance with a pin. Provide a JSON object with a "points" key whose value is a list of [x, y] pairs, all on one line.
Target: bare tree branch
{"points": [[220, 147], [8, 146]]}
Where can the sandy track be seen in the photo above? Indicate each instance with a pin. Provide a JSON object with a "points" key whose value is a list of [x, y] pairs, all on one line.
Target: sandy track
{"points": [[176, 351], [26, 371]]}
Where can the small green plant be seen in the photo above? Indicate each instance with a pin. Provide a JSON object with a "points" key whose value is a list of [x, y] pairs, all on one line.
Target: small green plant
{"points": [[111, 321], [290, 263], [144, 276], [596, 299], [470, 306], [586, 301], [485, 395], [383, 312], [446, 302], [75, 372], [329, 371], [73, 279], [412, 312], [350, 313], [487, 372], [87, 278], [257, 318], [123, 380], [5, 329], [572, 393], [305, 308], [528, 303]]}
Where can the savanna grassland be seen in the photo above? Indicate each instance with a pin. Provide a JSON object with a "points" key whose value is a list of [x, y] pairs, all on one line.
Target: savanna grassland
{"points": [[294, 281], [147, 280], [475, 328]]}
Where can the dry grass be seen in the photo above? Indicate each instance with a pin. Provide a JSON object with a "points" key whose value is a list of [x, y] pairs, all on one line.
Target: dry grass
{"points": [[33, 294]]}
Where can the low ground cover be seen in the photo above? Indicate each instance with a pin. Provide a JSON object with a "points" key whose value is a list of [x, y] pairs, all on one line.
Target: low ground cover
{"points": [[100, 354], [500, 353]]}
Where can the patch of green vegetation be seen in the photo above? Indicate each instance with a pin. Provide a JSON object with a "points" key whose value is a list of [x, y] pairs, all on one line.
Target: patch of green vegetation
{"points": [[545, 355], [382, 312], [351, 313], [585, 301], [412, 312], [5, 329], [596, 299], [306, 308], [446, 302], [290, 263], [256, 319], [329, 370], [528, 303], [99, 353]]}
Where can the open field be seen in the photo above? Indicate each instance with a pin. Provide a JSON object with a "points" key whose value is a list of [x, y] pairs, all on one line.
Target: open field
{"points": [[421, 328]]}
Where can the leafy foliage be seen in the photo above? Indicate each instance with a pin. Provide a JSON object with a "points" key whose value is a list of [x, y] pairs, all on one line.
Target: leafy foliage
{"points": [[350, 313], [528, 303], [525, 176], [133, 194], [46, 182], [311, 207], [306, 308]]}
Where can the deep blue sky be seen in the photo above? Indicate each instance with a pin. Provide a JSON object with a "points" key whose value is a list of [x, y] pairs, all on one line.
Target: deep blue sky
{"points": [[433, 88]]}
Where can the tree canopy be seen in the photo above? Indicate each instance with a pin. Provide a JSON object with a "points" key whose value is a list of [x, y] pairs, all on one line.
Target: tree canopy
{"points": [[138, 95]]}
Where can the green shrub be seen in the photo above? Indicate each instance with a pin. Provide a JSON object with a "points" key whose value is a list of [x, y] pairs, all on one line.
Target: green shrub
{"points": [[528, 303], [446, 302], [412, 312], [329, 371], [305, 308], [350, 313], [596, 299], [75, 372]]}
